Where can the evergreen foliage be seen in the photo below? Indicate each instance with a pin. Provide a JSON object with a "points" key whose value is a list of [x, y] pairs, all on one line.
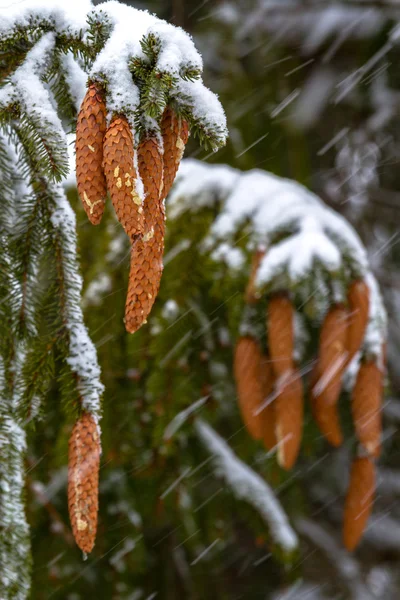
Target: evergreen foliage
{"points": [[45, 58], [172, 370]]}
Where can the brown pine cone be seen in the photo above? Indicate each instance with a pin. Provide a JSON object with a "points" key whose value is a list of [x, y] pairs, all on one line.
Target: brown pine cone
{"points": [[280, 316], [175, 133], [90, 130], [83, 480], [267, 414], [331, 364], [366, 405], [147, 252], [119, 169], [332, 354], [358, 297], [248, 383], [325, 415], [289, 417], [359, 501]]}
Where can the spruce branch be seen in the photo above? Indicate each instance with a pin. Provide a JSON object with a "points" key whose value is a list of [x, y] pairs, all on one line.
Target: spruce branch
{"points": [[82, 357], [15, 555], [48, 150]]}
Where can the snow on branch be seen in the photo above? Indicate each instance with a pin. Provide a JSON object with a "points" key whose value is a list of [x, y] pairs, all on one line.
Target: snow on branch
{"points": [[306, 242], [26, 90], [62, 15], [83, 356], [247, 485], [143, 63], [14, 530], [270, 204]]}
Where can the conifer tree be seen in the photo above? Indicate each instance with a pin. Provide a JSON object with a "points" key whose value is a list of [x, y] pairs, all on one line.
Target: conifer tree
{"points": [[137, 68], [293, 266]]}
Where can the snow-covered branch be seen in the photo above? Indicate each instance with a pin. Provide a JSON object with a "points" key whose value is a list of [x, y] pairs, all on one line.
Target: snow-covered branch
{"points": [[310, 250], [247, 485], [83, 357]]}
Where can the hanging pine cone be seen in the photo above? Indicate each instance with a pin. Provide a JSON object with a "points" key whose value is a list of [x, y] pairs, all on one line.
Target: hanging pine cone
{"points": [[366, 405], [359, 501], [280, 333], [358, 297], [248, 383], [175, 133], [326, 416], [331, 364], [289, 418], [147, 252], [332, 354], [119, 169], [90, 130], [83, 481], [267, 415]]}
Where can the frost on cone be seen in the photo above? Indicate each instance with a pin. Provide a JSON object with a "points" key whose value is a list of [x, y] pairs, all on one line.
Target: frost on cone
{"points": [[267, 414], [83, 480], [331, 364], [358, 297], [247, 364], [90, 130], [289, 418], [147, 252], [366, 404], [175, 133], [280, 333], [119, 169], [359, 501]]}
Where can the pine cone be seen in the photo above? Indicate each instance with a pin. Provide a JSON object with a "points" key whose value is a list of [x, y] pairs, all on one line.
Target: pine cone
{"points": [[289, 418], [119, 169], [366, 404], [248, 383], [147, 252], [331, 364], [359, 501], [175, 133], [280, 333], [267, 414], [83, 481], [332, 354], [358, 296], [326, 416], [90, 130]]}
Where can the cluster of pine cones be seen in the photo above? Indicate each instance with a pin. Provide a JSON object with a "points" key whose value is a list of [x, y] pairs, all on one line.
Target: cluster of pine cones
{"points": [[106, 159], [270, 391]]}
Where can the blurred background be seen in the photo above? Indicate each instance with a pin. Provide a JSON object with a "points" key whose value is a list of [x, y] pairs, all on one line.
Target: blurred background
{"points": [[311, 91]]}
